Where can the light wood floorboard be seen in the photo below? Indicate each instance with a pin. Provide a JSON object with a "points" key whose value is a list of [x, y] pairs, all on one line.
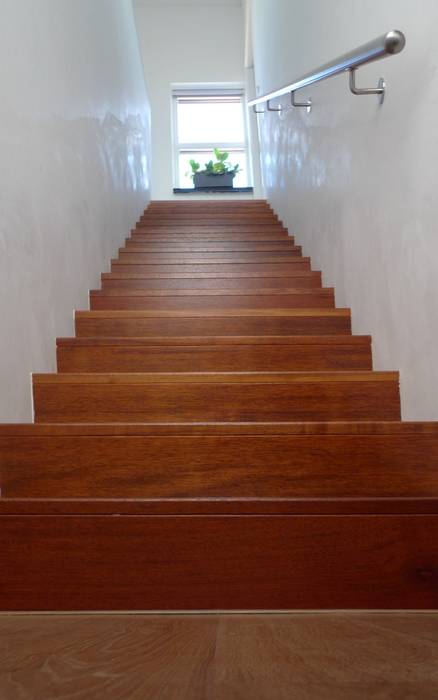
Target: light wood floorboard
{"points": [[340, 656]]}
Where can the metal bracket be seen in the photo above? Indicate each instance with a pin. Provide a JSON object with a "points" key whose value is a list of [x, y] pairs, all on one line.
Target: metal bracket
{"points": [[307, 104], [379, 90], [257, 111], [273, 109]]}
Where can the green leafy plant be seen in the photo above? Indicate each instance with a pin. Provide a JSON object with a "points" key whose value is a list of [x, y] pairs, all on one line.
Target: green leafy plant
{"points": [[220, 167]]}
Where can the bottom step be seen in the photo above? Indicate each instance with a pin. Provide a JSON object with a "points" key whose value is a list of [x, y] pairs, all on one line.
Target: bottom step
{"points": [[219, 555]]}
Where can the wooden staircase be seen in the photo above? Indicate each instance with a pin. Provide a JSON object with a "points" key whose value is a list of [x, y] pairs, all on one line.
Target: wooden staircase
{"points": [[216, 439]]}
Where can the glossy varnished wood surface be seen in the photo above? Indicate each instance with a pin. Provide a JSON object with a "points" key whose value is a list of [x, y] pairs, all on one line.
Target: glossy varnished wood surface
{"points": [[167, 469], [268, 266], [211, 299], [230, 280], [395, 428], [218, 562], [206, 229], [117, 507], [219, 465], [201, 245], [248, 396], [128, 256], [236, 322], [210, 236], [275, 353], [337, 656]]}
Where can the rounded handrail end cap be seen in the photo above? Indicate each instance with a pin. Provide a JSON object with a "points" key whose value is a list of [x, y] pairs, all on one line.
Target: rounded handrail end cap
{"points": [[394, 41]]}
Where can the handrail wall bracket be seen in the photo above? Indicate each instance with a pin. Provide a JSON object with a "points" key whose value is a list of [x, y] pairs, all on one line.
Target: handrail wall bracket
{"points": [[389, 44], [273, 109], [379, 90], [294, 103]]}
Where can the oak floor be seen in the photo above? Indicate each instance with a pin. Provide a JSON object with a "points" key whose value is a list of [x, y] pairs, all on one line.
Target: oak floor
{"points": [[340, 656]]}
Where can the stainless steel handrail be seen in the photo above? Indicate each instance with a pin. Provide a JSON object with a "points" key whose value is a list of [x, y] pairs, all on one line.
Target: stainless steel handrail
{"points": [[387, 45]]}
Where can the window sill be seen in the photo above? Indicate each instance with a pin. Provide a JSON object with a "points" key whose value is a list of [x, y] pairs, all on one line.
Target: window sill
{"points": [[213, 190]]}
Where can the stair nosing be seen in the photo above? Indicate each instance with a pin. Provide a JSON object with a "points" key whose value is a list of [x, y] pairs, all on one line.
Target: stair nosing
{"points": [[234, 378], [253, 428], [274, 291], [272, 507], [215, 313], [184, 341]]}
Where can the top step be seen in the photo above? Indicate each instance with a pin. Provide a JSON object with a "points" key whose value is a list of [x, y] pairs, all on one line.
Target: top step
{"points": [[198, 203]]}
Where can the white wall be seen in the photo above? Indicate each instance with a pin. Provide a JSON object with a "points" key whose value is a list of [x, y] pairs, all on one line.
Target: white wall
{"points": [[197, 41], [74, 139], [357, 183]]}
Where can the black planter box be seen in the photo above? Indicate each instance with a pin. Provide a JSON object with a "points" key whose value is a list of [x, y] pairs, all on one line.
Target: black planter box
{"points": [[210, 182]]}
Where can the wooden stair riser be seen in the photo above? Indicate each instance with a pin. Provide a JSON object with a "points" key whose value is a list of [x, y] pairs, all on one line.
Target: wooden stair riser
{"points": [[297, 279], [218, 562], [118, 299], [266, 268], [219, 239], [214, 217], [216, 247], [206, 210], [209, 209], [174, 398], [210, 234], [208, 227], [97, 324], [221, 206], [124, 355], [138, 258], [188, 224], [221, 466]]}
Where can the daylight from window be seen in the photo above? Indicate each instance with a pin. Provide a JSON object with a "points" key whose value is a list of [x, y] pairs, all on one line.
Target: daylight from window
{"points": [[205, 123]]}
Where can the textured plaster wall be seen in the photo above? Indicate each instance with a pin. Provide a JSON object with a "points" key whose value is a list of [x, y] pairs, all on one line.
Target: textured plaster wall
{"points": [[74, 160], [357, 183]]}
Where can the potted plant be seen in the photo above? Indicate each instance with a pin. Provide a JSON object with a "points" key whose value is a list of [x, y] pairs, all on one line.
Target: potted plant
{"points": [[215, 174]]}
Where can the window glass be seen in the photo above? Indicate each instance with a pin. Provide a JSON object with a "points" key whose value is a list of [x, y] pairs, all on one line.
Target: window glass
{"points": [[204, 121], [210, 122]]}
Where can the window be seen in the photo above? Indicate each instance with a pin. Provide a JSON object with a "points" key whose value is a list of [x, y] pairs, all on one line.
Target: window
{"points": [[204, 119]]}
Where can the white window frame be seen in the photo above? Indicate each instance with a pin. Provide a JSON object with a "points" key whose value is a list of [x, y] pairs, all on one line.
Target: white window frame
{"points": [[202, 91]]}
